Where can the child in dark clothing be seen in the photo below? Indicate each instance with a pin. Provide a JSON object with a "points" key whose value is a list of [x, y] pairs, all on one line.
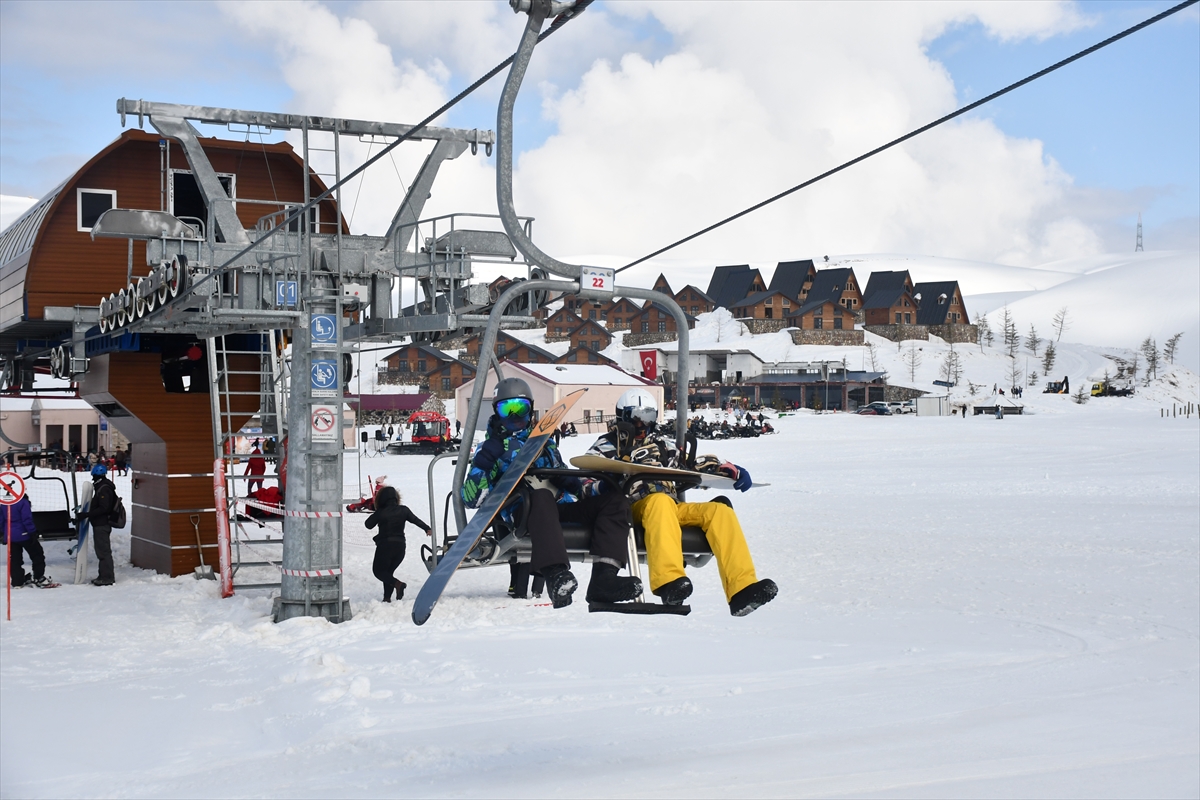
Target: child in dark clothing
{"points": [[390, 516]]}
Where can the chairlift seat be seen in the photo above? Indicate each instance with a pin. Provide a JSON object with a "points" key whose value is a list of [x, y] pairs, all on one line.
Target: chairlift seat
{"points": [[493, 244], [54, 524]]}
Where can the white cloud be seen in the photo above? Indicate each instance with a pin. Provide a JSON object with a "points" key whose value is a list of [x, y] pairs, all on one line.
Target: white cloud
{"points": [[12, 207]]}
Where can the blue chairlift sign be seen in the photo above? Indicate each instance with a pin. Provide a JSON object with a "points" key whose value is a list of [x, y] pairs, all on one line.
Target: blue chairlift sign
{"points": [[323, 329], [324, 377], [287, 293]]}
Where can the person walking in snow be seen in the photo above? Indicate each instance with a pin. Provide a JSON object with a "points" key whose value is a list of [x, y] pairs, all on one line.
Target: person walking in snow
{"points": [[655, 507], [551, 503], [25, 538], [99, 515], [391, 517], [256, 467]]}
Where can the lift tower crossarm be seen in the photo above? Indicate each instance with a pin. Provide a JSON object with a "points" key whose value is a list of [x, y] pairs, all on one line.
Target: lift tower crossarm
{"points": [[211, 115]]}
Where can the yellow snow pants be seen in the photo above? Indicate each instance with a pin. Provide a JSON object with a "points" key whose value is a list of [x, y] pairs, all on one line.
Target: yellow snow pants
{"points": [[662, 518]]}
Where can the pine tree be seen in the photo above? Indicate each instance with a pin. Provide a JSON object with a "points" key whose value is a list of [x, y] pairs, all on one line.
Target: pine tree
{"points": [[1170, 347], [1150, 351], [1032, 342], [985, 332], [1033, 377], [1012, 339], [1061, 323], [1048, 357], [951, 370], [1014, 373]]}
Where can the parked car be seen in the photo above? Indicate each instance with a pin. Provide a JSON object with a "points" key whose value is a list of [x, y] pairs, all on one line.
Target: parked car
{"points": [[876, 410], [905, 407]]}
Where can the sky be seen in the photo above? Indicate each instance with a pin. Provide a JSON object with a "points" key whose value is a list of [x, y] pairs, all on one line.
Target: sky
{"points": [[640, 122]]}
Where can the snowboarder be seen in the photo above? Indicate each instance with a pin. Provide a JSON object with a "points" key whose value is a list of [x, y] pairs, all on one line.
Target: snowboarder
{"points": [[551, 504], [391, 517], [99, 515], [119, 462], [25, 538], [657, 510]]}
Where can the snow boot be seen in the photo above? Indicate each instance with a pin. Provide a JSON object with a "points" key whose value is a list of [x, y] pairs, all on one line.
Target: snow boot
{"points": [[753, 596], [101, 582], [675, 592], [606, 586], [400, 587], [560, 585], [43, 582]]}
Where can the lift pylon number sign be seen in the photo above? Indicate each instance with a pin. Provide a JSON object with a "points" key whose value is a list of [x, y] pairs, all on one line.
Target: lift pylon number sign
{"points": [[12, 488], [324, 423]]}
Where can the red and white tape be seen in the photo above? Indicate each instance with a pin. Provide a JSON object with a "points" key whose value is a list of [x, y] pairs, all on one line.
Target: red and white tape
{"points": [[311, 573], [280, 512]]}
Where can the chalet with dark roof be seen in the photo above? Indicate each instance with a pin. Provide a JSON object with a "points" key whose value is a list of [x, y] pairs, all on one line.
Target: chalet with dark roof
{"points": [[584, 355], [449, 376], [661, 284], [616, 314], [590, 334], [693, 301], [512, 348], [940, 303], [763, 305], [822, 314], [837, 285], [655, 318], [888, 299], [794, 279], [561, 323], [732, 284], [411, 364]]}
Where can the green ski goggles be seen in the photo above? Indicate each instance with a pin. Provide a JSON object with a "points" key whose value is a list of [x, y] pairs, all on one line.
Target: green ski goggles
{"points": [[514, 407]]}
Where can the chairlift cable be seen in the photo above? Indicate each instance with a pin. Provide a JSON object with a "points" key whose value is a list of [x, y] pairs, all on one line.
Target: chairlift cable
{"points": [[558, 23], [970, 107]]}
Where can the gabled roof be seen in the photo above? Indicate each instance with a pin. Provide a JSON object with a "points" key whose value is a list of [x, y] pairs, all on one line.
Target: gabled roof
{"points": [[452, 361], [757, 297], [897, 279], [567, 311], [789, 277], [587, 322], [533, 348], [929, 312], [703, 294], [423, 348], [884, 297], [730, 284], [652, 304], [820, 301], [600, 357], [661, 282], [829, 283], [580, 374]]}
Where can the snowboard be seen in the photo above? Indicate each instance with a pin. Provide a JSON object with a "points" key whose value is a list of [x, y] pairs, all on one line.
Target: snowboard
{"points": [[602, 464], [80, 549], [432, 590]]}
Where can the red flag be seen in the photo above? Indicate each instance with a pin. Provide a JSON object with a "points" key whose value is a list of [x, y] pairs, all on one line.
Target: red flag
{"points": [[650, 364]]}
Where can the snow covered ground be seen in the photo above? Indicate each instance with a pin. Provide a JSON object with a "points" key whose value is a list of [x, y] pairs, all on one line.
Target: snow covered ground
{"points": [[967, 608]]}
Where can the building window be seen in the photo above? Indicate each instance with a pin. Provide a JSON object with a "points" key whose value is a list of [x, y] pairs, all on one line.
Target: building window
{"points": [[616, 322], [90, 204], [445, 384], [573, 356], [897, 317], [421, 365], [501, 348], [591, 313], [768, 313], [604, 316], [186, 200], [402, 366], [786, 302], [770, 301], [592, 357], [819, 323], [662, 326], [837, 323], [645, 326], [908, 319], [596, 345]]}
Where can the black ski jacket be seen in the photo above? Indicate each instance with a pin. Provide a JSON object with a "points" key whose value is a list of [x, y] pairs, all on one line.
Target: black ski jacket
{"points": [[104, 499], [391, 522]]}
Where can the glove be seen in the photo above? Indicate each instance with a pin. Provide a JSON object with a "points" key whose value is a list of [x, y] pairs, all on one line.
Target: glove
{"points": [[488, 454], [743, 481]]}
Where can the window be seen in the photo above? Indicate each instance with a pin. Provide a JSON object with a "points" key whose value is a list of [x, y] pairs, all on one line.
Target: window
{"points": [[90, 204], [604, 316], [185, 199], [819, 323], [695, 310], [768, 313], [591, 313], [837, 323], [54, 437], [770, 301], [786, 302], [897, 317], [645, 326], [596, 345], [592, 357], [445, 384], [820, 310], [402, 366], [907, 318], [616, 321], [573, 356], [662, 326], [558, 330], [501, 348]]}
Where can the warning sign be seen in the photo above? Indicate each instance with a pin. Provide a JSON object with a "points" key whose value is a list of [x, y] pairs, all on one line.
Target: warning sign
{"points": [[12, 488], [324, 423]]}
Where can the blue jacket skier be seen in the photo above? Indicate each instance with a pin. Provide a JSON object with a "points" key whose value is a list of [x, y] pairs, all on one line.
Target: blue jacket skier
{"points": [[551, 504], [24, 538]]}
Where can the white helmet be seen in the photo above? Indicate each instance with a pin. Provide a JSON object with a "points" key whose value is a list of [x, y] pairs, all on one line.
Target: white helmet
{"points": [[638, 406]]}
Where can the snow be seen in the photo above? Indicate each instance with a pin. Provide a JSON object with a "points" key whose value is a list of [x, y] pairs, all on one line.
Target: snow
{"points": [[584, 374], [967, 607]]}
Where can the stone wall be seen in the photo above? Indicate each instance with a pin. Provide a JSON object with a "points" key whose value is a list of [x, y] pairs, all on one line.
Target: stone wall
{"points": [[399, 378], [764, 325], [959, 334], [900, 333], [641, 339], [901, 393], [848, 338]]}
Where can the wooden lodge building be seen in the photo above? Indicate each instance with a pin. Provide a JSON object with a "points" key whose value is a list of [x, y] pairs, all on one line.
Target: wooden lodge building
{"points": [[150, 387]]}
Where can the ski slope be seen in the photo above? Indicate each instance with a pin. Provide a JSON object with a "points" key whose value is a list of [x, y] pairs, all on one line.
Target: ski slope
{"points": [[968, 607]]}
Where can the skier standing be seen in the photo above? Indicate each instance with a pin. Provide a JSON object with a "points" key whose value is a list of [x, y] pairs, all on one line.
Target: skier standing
{"points": [[656, 508], [391, 517], [551, 504], [25, 538], [99, 514]]}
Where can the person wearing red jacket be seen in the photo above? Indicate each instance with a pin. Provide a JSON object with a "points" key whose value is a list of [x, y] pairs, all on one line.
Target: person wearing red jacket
{"points": [[25, 538]]}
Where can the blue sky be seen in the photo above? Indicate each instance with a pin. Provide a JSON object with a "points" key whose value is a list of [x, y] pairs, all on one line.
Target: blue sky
{"points": [[1123, 123]]}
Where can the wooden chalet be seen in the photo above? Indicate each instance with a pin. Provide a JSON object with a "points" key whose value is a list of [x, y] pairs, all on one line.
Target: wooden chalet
{"points": [[817, 315], [888, 299], [693, 301], [151, 387], [655, 318], [763, 305], [411, 363], [591, 334], [940, 303], [838, 285], [616, 315], [560, 324], [794, 279], [512, 348], [450, 375], [584, 355], [730, 285], [661, 284]]}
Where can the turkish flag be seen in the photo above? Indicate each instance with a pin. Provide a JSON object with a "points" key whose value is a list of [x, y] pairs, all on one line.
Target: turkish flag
{"points": [[650, 364]]}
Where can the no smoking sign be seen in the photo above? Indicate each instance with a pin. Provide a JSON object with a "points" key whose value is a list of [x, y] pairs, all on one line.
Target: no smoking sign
{"points": [[324, 423]]}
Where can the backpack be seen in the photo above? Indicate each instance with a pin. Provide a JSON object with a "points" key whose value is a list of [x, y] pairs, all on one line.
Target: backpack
{"points": [[116, 517]]}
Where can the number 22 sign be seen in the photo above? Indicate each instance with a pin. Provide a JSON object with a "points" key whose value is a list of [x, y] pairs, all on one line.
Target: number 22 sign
{"points": [[596, 279]]}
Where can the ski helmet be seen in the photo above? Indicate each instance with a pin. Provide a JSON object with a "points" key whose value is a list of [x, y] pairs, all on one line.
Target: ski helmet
{"points": [[639, 407], [99, 471], [513, 403]]}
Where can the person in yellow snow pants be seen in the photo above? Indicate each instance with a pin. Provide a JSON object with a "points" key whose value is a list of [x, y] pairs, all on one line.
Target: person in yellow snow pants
{"points": [[663, 518]]}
